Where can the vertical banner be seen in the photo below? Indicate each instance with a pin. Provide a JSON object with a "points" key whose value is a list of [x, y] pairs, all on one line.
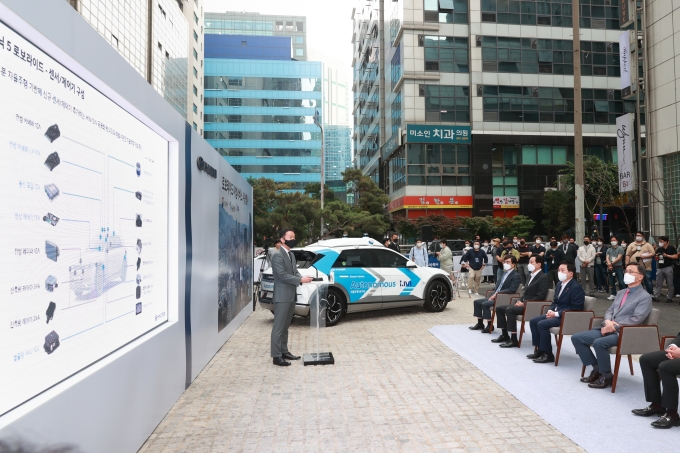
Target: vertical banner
{"points": [[626, 12], [624, 131], [624, 62]]}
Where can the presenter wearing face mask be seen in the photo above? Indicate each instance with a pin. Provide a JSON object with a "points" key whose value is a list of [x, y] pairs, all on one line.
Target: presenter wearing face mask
{"points": [[568, 296], [418, 254], [475, 260], [630, 308], [286, 280], [642, 252]]}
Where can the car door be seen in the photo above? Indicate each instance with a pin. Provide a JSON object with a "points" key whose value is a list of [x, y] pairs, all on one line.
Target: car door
{"points": [[353, 270], [400, 288]]}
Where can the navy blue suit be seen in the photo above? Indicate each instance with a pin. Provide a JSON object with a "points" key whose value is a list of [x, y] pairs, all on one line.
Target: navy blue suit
{"points": [[572, 298]]}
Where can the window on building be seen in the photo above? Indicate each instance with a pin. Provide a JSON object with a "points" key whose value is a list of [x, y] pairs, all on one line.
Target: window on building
{"points": [[279, 26], [195, 109], [195, 126], [195, 91], [299, 26], [446, 11], [299, 52], [114, 41], [543, 155], [299, 40], [556, 13], [446, 54], [289, 26], [195, 54], [195, 18], [447, 103], [195, 36], [195, 72], [160, 8], [438, 165], [600, 59]]}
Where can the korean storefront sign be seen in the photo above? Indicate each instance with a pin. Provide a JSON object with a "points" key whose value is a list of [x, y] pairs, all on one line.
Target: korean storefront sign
{"points": [[506, 202], [425, 133], [430, 202]]}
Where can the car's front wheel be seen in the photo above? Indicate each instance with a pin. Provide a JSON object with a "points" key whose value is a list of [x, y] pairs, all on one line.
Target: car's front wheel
{"points": [[437, 296], [335, 307]]}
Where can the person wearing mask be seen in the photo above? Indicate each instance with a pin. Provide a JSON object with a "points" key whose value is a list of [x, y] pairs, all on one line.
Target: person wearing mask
{"points": [[537, 289], [445, 258], [630, 308], [463, 268], [515, 241], [507, 284], [498, 261], [523, 261], [569, 249], [586, 256], [488, 249], [568, 296], [537, 248], [642, 251], [614, 260], [387, 243], [662, 364], [666, 255], [394, 243], [601, 266], [475, 260], [286, 280], [418, 254], [554, 256]]}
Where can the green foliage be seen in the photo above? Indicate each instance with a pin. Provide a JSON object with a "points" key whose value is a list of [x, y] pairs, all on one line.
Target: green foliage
{"points": [[342, 218], [369, 197], [466, 227], [558, 212], [482, 226], [520, 226], [313, 189]]}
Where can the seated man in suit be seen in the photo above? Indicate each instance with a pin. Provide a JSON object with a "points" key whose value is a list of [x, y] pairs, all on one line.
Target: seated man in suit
{"points": [[569, 295], [508, 284], [665, 365], [536, 289], [630, 308]]}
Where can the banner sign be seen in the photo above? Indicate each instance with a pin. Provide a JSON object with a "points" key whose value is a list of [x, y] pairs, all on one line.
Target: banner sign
{"points": [[428, 202], [506, 202], [626, 12], [625, 64], [391, 144], [424, 133], [624, 131]]}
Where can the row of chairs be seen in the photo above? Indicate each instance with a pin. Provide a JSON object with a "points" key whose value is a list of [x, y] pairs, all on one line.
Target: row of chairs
{"points": [[638, 339]]}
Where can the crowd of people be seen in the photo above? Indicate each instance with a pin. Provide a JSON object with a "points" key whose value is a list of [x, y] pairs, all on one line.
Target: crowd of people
{"points": [[535, 268]]}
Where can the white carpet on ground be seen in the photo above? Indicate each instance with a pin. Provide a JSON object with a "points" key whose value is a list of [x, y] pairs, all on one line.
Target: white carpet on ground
{"points": [[597, 420]]}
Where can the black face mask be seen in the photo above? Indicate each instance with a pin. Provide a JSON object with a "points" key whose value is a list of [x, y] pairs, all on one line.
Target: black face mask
{"points": [[290, 243], [586, 242]]}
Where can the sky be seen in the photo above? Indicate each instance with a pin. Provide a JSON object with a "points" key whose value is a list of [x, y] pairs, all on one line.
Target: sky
{"points": [[329, 23]]}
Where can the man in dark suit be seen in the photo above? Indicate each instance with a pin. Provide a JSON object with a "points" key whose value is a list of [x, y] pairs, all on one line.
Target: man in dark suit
{"points": [[508, 284], [394, 245], [661, 364], [569, 295], [286, 280], [536, 289]]}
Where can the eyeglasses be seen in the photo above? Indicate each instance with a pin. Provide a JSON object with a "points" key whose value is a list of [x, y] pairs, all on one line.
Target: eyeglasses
{"points": [[633, 273]]}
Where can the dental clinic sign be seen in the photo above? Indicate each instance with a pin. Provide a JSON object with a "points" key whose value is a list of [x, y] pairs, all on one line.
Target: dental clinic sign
{"points": [[424, 133], [624, 132]]}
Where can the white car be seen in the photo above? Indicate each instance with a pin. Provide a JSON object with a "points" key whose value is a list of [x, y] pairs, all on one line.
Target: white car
{"points": [[360, 274]]}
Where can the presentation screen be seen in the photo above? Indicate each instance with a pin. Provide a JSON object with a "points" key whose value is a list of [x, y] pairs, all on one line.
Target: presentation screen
{"points": [[84, 187]]}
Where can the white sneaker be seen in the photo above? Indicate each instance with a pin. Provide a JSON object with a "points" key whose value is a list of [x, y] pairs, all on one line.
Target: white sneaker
{"points": [[469, 291], [611, 297], [476, 294]]}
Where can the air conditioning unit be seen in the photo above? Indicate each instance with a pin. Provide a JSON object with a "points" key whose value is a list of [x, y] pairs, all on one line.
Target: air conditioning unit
{"points": [[610, 95], [534, 43], [478, 41], [421, 90], [421, 40], [610, 47], [480, 91], [534, 92]]}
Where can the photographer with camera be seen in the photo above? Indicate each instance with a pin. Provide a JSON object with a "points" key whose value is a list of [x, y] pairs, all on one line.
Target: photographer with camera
{"points": [[666, 255]]}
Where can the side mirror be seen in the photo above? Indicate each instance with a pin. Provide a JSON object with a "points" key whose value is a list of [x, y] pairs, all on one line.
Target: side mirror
{"points": [[411, 265]]}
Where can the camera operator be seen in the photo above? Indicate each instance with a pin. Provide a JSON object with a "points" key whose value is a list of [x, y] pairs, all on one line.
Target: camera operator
{"points": [[666, 255]]}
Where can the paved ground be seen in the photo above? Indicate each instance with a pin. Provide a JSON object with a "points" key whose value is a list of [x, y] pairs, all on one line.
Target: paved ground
{"points": [[394, 387]]}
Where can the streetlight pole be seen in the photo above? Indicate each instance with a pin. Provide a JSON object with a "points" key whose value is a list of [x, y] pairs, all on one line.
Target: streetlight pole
{"points": [[579, 214], [317, 121]]}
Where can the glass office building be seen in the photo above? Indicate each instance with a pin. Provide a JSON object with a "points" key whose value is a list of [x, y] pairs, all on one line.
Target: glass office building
{"points": [[259, 109], [337, 151], [244, 23]]}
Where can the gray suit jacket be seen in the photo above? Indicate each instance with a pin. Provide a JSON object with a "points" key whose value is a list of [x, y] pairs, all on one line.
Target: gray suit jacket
{"points": [[286, 276], [636, 309]]}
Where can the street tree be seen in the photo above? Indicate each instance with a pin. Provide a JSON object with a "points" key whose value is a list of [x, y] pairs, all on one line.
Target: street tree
{"points": [[558, 212]]}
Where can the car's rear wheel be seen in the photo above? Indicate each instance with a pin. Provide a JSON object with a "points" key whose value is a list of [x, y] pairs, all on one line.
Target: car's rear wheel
{"points": [[335, 307], [437, 296]]}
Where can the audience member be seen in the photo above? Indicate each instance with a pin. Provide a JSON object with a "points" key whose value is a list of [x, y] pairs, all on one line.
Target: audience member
{"points": [[586, 256], [507, 284], [642, 251]]}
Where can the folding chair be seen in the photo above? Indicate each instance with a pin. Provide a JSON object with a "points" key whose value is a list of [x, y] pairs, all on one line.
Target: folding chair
{"points": [[632, 340]]}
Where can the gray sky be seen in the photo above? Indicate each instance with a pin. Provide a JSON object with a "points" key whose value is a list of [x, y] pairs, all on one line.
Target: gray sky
{"points": [[329, 24]]}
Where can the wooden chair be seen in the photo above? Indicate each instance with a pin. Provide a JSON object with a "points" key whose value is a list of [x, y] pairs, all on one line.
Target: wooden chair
{"points": [[638, 339], [533, 308], [573, 322]]}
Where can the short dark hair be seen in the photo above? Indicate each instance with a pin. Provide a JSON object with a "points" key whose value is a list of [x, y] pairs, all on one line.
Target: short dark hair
{"points": [[278, 241], [538, 258], [612, 238], [283, 232], [640, 268], [512, 259], [565, 236], [477, 242], [506, 243], [443, 241], [663, 238], [640, 233], [571, 267]]}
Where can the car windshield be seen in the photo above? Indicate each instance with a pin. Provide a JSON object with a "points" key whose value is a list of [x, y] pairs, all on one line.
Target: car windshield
{"points": [[305, 258]]}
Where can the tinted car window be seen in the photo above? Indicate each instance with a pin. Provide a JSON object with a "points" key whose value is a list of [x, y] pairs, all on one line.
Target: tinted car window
{"points": [[355, 258], [386, 258]]}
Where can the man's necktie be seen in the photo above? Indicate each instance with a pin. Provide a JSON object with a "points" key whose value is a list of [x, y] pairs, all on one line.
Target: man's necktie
{"points": [[623, 300]]}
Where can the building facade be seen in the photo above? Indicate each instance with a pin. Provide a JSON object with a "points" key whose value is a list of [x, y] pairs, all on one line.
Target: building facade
{"points": [[466, 107], [244, 23], [260, 107], [162, 40]]}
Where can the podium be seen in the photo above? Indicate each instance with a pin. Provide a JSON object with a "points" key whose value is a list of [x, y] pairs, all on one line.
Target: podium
{"points": [[317, 321]]}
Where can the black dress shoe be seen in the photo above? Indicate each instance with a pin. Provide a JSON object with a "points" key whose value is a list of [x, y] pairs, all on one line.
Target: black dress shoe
{"points": [[601, 383], [667, 421], [594, 376], [280, 361], [486, 330], [669, 301], [545, 358], [534, 355], [290, 356], [501, 339], [476, 327], [649, 410], [509, 344], [655, 299]]}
